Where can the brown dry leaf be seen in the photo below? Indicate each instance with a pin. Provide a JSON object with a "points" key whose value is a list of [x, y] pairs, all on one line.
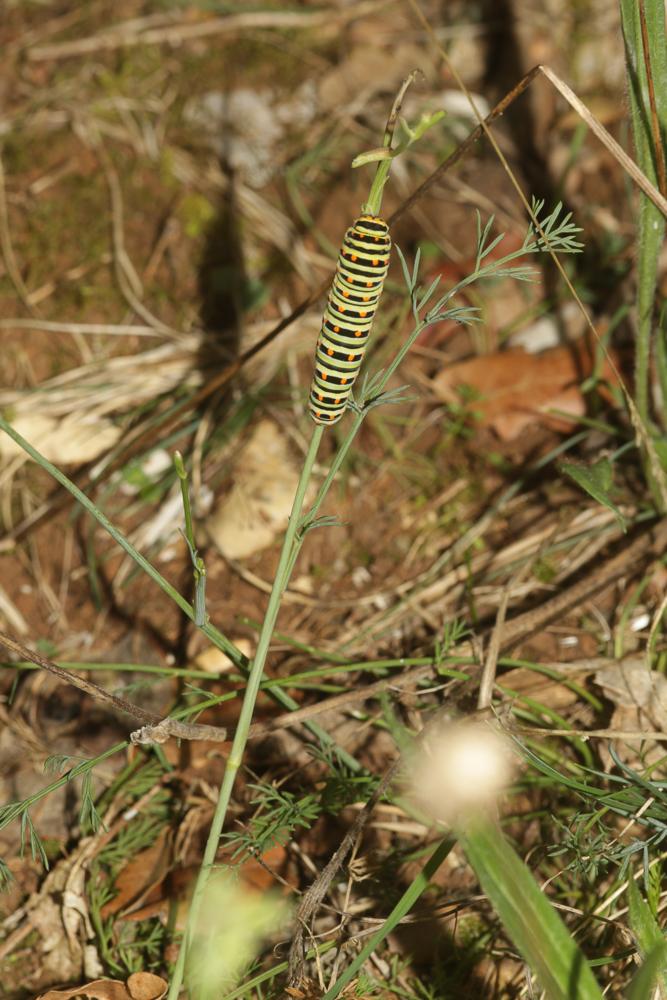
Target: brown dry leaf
{"points": [[552, 693], [140, 986], [517, 388], [99, 989], [146, 986], [69, 441], [142, 874], [257, 509], [640, 698]]}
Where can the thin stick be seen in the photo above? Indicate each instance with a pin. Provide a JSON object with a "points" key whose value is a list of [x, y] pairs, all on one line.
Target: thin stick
{"points": [[606, 139], [488, 678], [156, 729], [107, 329], [312, 898], [255, 676]]}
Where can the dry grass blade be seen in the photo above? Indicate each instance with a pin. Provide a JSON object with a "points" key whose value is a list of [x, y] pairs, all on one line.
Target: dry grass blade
{"points": [[139, 31], [619, 154]]}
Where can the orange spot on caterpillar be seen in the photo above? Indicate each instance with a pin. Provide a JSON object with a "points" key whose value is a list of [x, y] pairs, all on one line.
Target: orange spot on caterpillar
{"points": [[343, 381], [325, 376], [363, 314], [330, 352], [350, 357], [376, 262], [369, 284], [346, 293], [336, 329], [353, 257], [357, 333]]}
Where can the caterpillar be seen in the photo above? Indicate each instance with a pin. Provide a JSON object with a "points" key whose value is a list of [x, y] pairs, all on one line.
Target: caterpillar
{"points": [[357, 286]]}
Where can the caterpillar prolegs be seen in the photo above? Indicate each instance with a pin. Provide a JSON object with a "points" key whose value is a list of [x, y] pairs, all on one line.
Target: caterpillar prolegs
{"points": [[357, 286]]}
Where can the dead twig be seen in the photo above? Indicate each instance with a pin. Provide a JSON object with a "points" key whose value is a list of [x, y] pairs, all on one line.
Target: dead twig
{"points": [[154, 729], [313, 896]]}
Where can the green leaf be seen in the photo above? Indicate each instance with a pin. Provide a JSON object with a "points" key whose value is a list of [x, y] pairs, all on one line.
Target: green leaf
{"points": [[527, 915], [597, 480], [647, 933]]}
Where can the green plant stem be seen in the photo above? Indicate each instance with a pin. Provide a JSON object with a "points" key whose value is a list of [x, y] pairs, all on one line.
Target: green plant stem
{"points": [[182, 474], [374, 203], [245, 717]]}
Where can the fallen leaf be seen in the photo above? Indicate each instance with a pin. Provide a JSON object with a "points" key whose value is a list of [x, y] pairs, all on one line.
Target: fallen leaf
{"points": [[257, 509], [99, 989], [214, 661], [143, 873], [516, 389], [639, 696], [70, 441], [139, 986], [146, 986]]}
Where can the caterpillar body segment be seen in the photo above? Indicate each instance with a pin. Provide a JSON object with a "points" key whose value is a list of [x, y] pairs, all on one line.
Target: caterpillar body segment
{"points": [[357, 286]]}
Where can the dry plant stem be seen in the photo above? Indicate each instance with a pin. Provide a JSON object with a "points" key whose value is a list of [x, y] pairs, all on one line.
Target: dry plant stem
{"points": [[488, 678], [255, 676], [155, 728], [312, 898]]}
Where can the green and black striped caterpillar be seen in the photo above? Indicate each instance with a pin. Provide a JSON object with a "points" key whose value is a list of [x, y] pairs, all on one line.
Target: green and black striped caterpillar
{"points": [[357, 286]]}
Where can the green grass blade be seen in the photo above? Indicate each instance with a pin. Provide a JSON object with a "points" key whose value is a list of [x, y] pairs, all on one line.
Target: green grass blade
{"points": [[647, 931], [527, 915], [651, 225], [643, 982], [403, 907]]}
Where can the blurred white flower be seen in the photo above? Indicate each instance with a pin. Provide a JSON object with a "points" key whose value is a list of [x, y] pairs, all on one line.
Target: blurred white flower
{"points": [[460, 769]]}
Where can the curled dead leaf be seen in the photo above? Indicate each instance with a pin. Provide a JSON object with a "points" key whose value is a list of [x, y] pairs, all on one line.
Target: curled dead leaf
{"points": [[146, 986], [139, 986]]}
